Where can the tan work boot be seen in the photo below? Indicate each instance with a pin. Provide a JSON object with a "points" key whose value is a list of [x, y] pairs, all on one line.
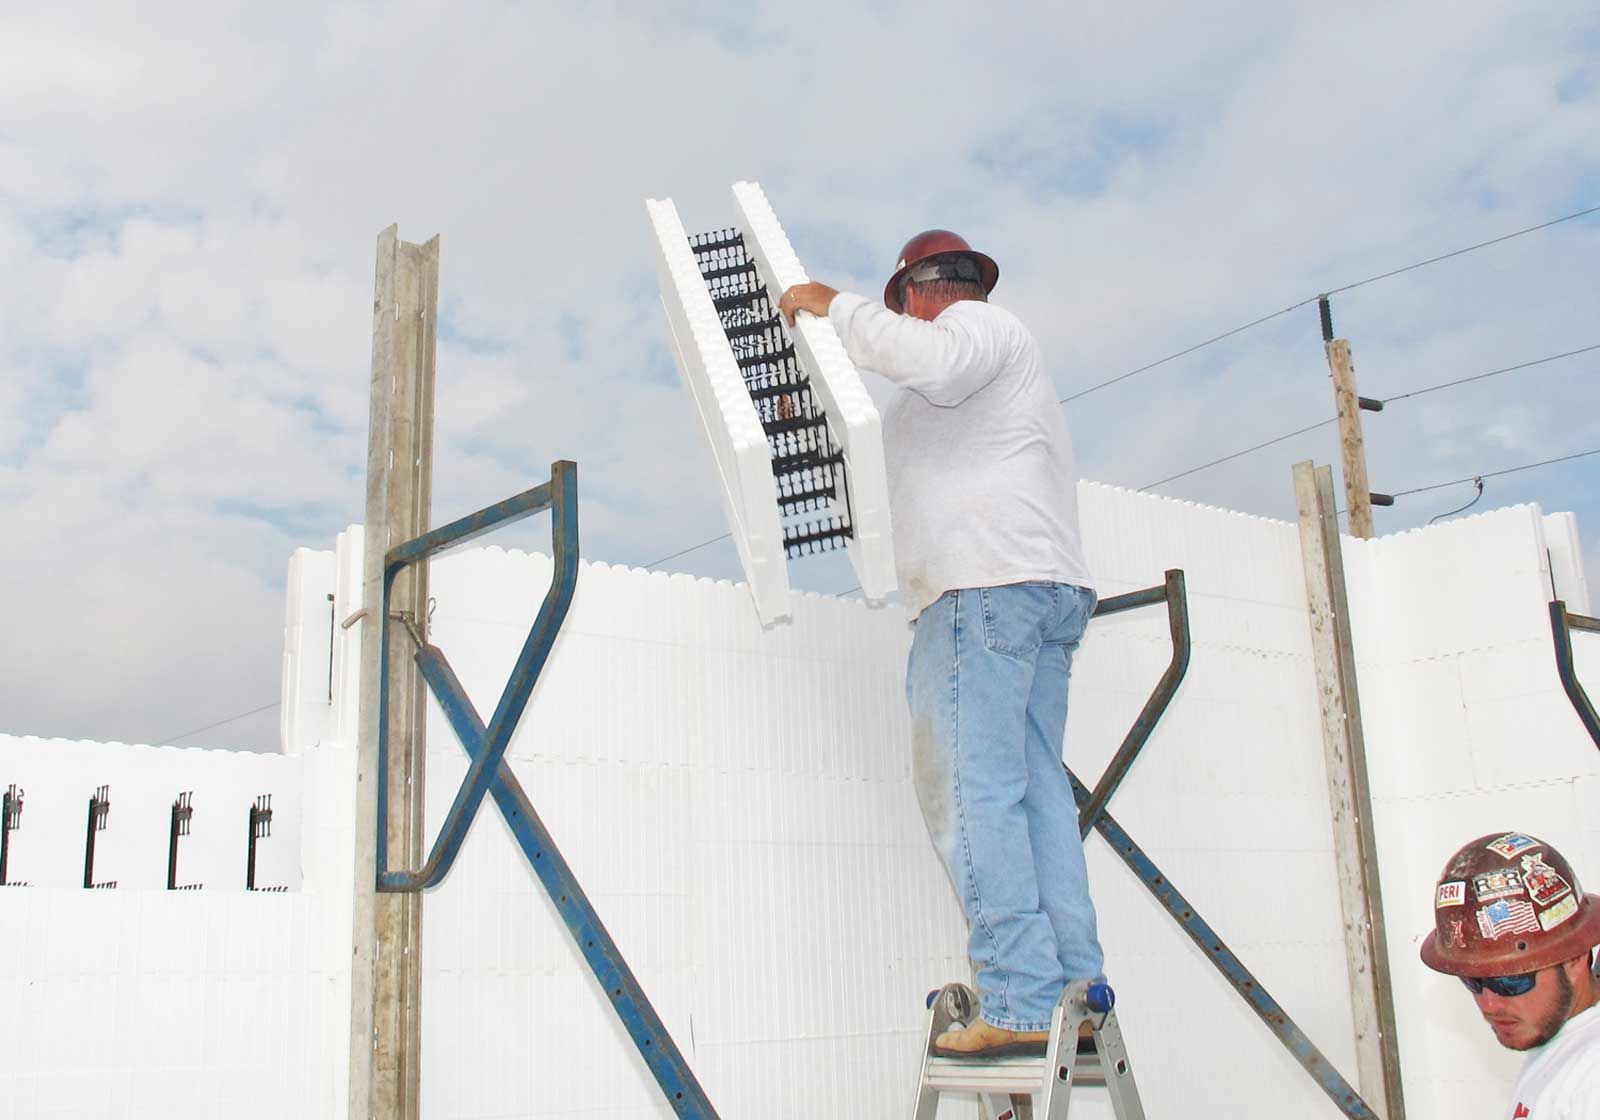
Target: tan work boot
{"points": [[981, 1040]]}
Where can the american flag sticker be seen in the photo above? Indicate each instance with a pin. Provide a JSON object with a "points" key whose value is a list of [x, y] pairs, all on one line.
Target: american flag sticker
{"points": [[1509, 915], [1451, 894]]}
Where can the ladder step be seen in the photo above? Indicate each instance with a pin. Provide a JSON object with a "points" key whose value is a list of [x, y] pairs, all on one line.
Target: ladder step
{"points": [[1007, 1075], [992, 1075]]}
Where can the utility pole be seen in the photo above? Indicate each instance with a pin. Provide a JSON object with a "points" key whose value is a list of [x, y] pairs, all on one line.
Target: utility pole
{"points": [[385, 1034], [1353, 454]]}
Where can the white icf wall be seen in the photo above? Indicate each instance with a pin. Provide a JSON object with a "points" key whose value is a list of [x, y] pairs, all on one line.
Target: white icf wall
{"points": [[136, 1001], [737, 803], [1468, 731]]}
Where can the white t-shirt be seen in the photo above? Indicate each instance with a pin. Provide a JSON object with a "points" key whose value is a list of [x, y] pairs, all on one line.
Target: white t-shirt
{"points": [[1561, 1079], [983, 490]]}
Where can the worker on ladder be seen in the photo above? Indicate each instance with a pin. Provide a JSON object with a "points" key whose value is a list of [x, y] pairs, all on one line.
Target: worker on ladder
{"points": [[983, 500], [1512, 922]]}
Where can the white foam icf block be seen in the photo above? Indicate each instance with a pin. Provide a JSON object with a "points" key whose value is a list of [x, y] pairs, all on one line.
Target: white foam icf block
{"points": [[306, 706], [1565, 551], [733, 430], [59, 777], [348, 594], [837, 383]]}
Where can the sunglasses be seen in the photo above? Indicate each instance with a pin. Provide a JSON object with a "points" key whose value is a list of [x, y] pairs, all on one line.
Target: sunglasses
{"points": [[1504, 986]]}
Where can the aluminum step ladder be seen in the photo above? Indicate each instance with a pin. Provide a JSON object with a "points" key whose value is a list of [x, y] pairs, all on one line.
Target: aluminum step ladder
{"points": [[1008, 1088]]}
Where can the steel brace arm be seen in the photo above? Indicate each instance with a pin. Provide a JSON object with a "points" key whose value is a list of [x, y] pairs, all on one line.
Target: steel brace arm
{"points": [[1092, 814], [489, 773]]}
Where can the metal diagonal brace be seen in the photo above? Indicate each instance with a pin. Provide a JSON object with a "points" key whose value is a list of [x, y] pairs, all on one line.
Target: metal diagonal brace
{"points": [[1561, 626], [1092, 814], [489, 772], [1340, 1091], [1172, 592], [560, 496], [628, 999]]}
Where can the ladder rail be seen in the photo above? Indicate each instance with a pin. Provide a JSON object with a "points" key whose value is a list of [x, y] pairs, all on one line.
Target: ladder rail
{"points": [[1116, 1070]]}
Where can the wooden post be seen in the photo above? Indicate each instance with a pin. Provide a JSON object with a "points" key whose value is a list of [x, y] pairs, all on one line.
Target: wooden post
{"points": [[385, 1036], [1353, 453], [1349, 797]]}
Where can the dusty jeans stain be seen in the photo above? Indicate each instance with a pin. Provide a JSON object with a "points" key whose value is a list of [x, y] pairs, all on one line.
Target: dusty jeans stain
{"points": [[931, 773], [987, 687]]}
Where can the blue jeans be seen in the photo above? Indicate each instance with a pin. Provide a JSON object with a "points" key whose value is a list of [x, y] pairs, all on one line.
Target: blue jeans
{"points": [[987, 686]]}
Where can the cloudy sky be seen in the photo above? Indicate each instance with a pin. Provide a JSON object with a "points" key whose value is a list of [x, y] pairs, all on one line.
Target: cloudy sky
{"points": [[190, 196]]}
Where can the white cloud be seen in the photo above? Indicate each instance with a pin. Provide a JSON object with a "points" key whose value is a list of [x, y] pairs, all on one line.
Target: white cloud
{"points": [[189, 199]]}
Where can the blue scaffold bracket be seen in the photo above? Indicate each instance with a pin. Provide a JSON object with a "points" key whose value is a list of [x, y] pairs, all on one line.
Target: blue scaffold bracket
{"points": [[1092, 815], [489, 773], [560, 496], [1562, 624]]}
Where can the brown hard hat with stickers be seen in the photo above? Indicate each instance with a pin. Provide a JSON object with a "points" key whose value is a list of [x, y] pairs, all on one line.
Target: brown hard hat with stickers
{"points": [[1509, 903]]}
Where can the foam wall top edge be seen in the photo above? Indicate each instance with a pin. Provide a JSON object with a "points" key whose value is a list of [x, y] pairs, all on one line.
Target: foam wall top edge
{"points": [[1565, 550], [837, 383], [733, 430]]}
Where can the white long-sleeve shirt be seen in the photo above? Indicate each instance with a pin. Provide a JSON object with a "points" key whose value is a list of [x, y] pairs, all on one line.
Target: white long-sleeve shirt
{"points": [[1561, 1079], [982, 484]]}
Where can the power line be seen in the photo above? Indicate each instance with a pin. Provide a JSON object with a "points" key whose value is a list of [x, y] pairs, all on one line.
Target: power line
{"points": [[1478, 482], [253, 711], [686, 551], [1468, 249], [1332, 291], [1491, 373], [1497, 474], [1386, 400], [1236, 454], [1187, 350]]}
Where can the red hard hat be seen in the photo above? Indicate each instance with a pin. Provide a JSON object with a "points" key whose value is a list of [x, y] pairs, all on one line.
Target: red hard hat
{"points": [[933, 243], [1509, 903]]}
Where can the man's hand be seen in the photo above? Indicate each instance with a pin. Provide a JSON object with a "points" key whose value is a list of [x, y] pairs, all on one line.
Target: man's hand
{"points": [[814, 298]]}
